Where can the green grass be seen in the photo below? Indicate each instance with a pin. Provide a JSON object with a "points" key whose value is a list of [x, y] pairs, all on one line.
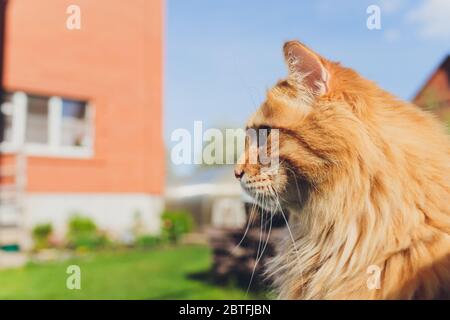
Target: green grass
{"points": [[164, 273]]}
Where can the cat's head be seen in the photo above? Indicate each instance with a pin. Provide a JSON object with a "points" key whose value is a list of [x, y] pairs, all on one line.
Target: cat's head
{"points": [[315, 114]]}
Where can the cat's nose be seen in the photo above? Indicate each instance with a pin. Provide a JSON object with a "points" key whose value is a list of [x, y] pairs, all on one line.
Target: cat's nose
{"points": [[238, 173]]}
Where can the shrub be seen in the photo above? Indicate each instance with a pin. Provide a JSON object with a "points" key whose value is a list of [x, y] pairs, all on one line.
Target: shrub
{"points": [[147, 241], [84, 234], [138, 224], [175, 224], [81, 225], [41, 235]]}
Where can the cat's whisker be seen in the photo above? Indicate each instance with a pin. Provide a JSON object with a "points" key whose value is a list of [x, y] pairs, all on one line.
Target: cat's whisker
{"points": [[249, 222], [268, 236], [287, 224], [296, 183], [259, 248], [297, 252]]}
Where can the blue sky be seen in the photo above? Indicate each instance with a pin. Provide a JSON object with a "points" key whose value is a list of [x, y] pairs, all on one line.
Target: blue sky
{"points": [[221, 56]]}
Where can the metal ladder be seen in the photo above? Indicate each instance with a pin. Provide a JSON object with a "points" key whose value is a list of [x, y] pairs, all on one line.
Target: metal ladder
{"points": [[12, 203]]}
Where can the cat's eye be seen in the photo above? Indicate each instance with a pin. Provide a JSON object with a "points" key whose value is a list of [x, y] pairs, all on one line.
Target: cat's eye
{"points": [[263, 134]]}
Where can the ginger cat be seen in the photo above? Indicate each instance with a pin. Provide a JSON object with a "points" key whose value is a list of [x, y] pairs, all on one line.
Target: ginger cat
{"points": [[365, 178]]}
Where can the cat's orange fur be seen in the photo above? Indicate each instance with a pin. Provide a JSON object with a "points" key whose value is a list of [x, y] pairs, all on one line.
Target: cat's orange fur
{"points": [[366, 180]]}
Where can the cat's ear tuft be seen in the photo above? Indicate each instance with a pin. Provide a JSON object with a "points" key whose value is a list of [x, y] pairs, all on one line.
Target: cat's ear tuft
{"points": [[306, 70]]}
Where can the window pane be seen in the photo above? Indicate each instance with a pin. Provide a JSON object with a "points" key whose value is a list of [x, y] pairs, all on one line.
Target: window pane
{"points": [[6, 110], [75, 126], [37, 120]]}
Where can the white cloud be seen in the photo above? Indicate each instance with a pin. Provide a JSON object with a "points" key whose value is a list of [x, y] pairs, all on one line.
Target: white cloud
{"points": [[392, 35], [433, 18], [391, 6]]}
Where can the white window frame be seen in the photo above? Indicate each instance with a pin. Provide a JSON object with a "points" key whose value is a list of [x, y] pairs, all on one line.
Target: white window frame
{"points": [[53, 147]]}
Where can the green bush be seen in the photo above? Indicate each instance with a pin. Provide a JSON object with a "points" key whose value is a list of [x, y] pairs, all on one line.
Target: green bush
{"points": [[147, 241], [41, 235], [175, 224], [81, 225], [83, 234]]}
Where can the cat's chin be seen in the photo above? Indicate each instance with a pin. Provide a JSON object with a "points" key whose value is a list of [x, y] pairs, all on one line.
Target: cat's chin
{"points": [[270, 208], [265, 202], [268, 205]]}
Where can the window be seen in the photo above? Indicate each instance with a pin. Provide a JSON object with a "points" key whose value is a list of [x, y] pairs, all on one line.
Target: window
{"points": [[37, 120], [6, 120], [47, 126], [74, 124]]}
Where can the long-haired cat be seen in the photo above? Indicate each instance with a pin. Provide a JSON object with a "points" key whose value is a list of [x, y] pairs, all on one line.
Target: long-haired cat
{"points": [[365, 178]]}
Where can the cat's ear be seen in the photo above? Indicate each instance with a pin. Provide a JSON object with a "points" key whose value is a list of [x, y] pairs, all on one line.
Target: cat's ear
{"points": [[306, 70]]}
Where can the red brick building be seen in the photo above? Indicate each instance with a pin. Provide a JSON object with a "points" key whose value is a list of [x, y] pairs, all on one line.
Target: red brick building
{"points": [[82, 107], [435, 93]]}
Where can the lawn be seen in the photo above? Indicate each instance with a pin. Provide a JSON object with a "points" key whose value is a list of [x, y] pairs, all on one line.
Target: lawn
{"points": [[165, 273]]}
